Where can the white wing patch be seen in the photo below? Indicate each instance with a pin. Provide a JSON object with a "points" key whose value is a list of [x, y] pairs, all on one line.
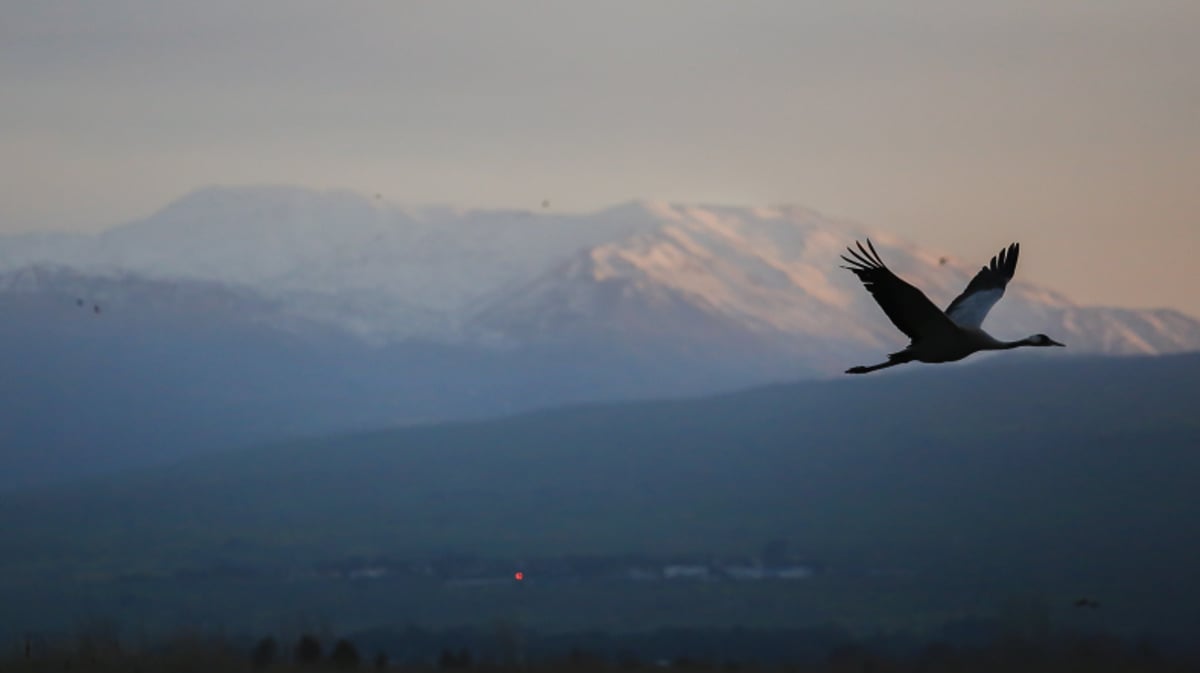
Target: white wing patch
{"points": [[971, 311]]}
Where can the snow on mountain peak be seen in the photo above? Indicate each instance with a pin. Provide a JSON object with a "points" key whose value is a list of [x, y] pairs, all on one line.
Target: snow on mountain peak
{"points": [[389, 272]]}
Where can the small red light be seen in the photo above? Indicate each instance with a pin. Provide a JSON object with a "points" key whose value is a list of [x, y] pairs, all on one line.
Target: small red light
{"points": [[518, 575]]}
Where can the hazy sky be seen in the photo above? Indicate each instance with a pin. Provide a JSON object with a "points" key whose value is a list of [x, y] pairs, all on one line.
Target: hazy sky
{"points": [[1073, 127]]}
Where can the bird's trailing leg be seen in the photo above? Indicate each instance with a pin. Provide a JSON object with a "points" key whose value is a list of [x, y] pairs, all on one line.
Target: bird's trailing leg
{"points": [[893, 360]]}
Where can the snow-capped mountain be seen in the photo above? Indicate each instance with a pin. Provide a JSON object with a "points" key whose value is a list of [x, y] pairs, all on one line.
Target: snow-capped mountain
{"points": [[384, 271], [682, 276], [238, 316], [773, 273]]}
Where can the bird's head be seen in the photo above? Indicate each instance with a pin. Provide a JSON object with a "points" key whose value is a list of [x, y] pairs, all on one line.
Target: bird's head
{"points": [[1042, 340]]}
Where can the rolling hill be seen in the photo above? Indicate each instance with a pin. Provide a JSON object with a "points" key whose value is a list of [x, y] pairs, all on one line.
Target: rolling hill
{"points": [[1049, 476]]}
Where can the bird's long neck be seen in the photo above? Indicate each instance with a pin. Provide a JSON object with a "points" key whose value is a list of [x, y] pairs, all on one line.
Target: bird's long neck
{"points": [[1011, 344], [998, 345]]}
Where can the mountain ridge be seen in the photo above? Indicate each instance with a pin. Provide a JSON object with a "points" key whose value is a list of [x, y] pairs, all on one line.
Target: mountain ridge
{"points": [[388, 273]]}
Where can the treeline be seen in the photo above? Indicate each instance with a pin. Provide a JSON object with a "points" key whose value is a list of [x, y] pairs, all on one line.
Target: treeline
{"points": [[506, 647], [969, 640]]}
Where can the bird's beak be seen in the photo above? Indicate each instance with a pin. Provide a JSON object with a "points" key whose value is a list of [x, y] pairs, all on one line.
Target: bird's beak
{"points": [[1055, 343]]}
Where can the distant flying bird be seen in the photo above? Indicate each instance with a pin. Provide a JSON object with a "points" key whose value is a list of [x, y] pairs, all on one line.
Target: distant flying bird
{"points": [[942, 261], [937, 336], [79, 302], [95, 308], [1086, 603]]}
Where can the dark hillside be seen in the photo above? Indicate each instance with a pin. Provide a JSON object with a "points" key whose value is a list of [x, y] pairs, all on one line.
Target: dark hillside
{"points": [[1021, 475]]}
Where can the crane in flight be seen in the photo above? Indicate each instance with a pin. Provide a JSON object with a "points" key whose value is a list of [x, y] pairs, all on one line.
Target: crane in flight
{"points": [[936, 335]]}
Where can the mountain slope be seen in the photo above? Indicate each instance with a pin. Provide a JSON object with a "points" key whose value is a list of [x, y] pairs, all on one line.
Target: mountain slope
{"points": [[380, 270], [388, 273], [246, 315], [100, 373], [771, 276]]}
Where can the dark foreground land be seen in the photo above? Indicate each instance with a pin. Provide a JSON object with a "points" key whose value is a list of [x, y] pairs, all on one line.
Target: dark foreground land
{"points": [[191, 654], [975, 515], [917, 499]]}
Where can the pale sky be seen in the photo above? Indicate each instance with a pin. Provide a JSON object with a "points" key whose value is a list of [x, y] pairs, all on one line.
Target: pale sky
{"points": [[1073, 127]]}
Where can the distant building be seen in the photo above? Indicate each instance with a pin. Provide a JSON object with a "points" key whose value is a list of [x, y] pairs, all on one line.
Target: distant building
{"points": [[368, 573], [794, 573], [686, 572], [757, 572], [643, 574]]}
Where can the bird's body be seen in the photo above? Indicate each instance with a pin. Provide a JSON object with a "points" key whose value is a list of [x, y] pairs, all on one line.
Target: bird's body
{"points": [[936, 335]]}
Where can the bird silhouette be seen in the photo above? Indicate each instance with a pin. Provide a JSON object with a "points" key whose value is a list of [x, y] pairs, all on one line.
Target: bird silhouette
{"points": [[937, 336]]}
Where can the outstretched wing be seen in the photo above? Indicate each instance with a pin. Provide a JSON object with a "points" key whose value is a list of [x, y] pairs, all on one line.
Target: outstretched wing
{"points": [[985, 289], [907, 307]]}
